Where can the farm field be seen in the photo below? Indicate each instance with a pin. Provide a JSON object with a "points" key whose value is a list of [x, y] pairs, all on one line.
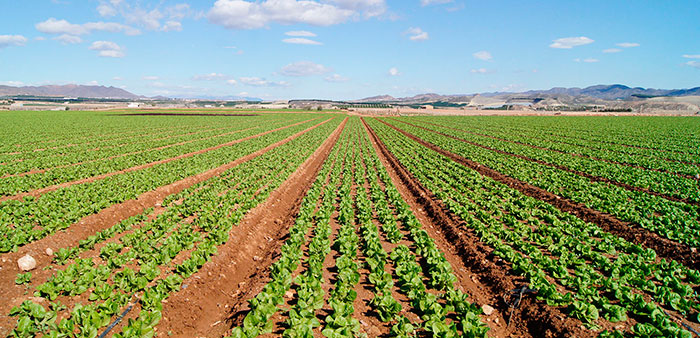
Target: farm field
{"points": [[295, 224]]}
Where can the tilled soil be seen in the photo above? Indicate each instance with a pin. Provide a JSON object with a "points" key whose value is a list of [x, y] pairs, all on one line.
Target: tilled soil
{"points": [[213, 296], [39, 192], [97, 222], [664, 248], [491, 277], [592, 178]]}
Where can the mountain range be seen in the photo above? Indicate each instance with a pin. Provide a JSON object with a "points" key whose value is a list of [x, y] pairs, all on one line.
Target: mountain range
{"points": [[69, 90], [603, 92]]}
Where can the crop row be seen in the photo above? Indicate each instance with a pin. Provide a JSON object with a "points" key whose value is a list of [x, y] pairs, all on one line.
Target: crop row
{"points": [[674, 220], [542, 139], [151, 262], [572, 264], [664, 183], [353, 180], [30, 219]]}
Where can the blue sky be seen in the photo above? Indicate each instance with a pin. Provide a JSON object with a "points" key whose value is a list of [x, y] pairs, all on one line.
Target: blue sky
{"points": [[348, 49]]}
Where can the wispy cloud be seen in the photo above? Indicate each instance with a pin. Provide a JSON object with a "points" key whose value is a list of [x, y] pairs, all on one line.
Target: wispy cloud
{"points": [[587, 60], [482, 71], [151, 78], [12, 40], [261, 82], [571, 42], [301, 41], [393, 71], [68, 39], [306, 34], [239, 14], [417, 34], [693, 63], [304, 68], [208, 77], [612, 50], [627, 44], [483, 55], [336, 78], [107, 49], [691, 56], [55, 26]]}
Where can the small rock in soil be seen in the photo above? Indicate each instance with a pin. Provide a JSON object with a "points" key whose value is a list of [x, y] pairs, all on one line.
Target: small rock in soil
{"points": [[26, 263], [49, 252], [693, 250], [289, 294], [256, 258], [488, 309], [495, 320]]}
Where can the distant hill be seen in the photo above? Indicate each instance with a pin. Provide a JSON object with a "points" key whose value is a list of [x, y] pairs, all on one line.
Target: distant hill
{"points": [[603, 92], [70, 90]]}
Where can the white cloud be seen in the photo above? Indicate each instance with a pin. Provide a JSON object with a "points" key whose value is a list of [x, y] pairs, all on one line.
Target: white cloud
{"points": [[612, 50], [481, 71], [434, 2], [54, 26], [171, 26], [393, 71], [93, 83], [336, 78], [691, 56], [368, 8], [12, 40], [150, 78], [300, 33], [240, 14], [150, 18], [243, 94], [117, 78], [259, 82], [483, 55], [417, 34], [587, 60], [232, 82], [107, 49], [304, 68], [301, 41], [627, 44], [568, 43], [209, 77], [68, 39], [693, 63]]}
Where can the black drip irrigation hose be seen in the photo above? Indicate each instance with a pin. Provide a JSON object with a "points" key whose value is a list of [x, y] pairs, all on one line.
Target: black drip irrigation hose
{"points": [[119, 319], [516, 296]]}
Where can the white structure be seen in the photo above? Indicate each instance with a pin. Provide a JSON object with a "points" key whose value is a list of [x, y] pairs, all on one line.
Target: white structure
{"points": [[134, 105]]}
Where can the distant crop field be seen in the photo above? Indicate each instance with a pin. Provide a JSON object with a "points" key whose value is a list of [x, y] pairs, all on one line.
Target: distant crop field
{"points": [[226, 224]]}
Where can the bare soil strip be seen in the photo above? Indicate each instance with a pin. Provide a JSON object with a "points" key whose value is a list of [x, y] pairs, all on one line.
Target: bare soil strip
{"points": [[592, 178], [39, 192], [205, 307], [664, 248], [564, 152], [490, 274], [104, 219]]}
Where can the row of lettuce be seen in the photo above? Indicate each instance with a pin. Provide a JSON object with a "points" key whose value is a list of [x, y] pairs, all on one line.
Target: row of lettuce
{"points": [[27, 220], [594, 276], [145, 259], [353, 191]]}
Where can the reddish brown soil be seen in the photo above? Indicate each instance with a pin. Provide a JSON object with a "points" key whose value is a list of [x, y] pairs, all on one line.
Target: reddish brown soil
{"points": [[98, 222], [664, 248], [204, 308], [564, 152], [470, 257], [592, 178], [39, 192]]}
